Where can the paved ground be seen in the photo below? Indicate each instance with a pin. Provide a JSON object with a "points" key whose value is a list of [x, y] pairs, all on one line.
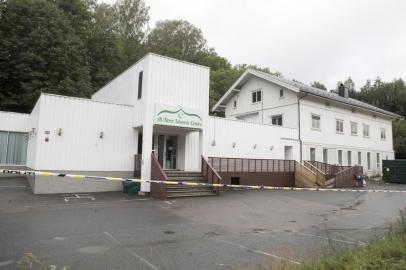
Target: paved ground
{"points": [[237, 230]]}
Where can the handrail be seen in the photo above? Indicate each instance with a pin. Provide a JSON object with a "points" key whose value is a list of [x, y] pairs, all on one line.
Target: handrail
{"points": [[162, 175], [317, 169], [214, 174]]}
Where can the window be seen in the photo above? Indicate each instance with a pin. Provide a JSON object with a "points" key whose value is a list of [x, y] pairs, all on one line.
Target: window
{"points": [[325, 155], [339, 126], [365, 130], [349, 158], [354, 128], [312, 154], [235, 104], [281, 93], [369, 161], [378, 161], [359, 158], [13, 148], [277, 120], [340, 157], [315, 121], [256, 96], [383, 134], [140, 85]]}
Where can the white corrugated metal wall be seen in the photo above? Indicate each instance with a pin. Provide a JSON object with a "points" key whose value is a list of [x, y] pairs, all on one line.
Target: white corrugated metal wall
{"points": [[238, 139], [79, 146]]}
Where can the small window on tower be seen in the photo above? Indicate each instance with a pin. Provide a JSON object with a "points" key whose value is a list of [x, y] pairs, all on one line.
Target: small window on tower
{"points": [[235, 104]]}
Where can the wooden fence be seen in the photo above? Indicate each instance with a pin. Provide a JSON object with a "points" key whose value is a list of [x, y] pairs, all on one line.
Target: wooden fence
{"points": [[221, 164]]}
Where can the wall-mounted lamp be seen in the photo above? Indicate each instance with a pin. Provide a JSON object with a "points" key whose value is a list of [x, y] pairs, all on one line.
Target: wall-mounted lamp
{"points": [[101, 135], [213, 143], [234, 144], [271, 147], [255, 146], [59, 132]]}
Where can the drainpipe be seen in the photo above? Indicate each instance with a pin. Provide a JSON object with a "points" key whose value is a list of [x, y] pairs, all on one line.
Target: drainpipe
{"points": [[298, 123]]}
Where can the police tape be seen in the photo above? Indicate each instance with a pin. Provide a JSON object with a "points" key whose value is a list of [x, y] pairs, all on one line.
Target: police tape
{"points": [[189, 183]]}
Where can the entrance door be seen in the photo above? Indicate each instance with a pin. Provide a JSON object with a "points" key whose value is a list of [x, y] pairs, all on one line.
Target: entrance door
{"points": [[171, 152]]}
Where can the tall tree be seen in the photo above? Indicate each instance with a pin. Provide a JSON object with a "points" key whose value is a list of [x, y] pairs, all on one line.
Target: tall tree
{"points": [[318, 85], [40, 51], [177, 38]]}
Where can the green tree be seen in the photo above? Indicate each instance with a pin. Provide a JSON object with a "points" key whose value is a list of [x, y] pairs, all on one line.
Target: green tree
{"points": [[40, 51], [399, 138], [179, 39], [318, 85]]}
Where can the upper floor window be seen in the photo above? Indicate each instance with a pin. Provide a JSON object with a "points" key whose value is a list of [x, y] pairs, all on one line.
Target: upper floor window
{"points": [[140, 85], [383, 134], [277, 120], [354, 128], [365, 131], [315, 121], [339, 126], [235, 104], [256, 96], [281, 93]]}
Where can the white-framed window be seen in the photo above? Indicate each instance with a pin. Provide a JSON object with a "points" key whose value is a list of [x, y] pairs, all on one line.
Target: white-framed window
{"points": [[340, 157], [349, 158], [315, 121], [256, 96], [313, 154], [276, 120], [354, 128], [359, 158], [369, 161], [325, 155], [235, 104], [281, 93], [378, 161], [339, 126], [383, 134], [365, 130]]}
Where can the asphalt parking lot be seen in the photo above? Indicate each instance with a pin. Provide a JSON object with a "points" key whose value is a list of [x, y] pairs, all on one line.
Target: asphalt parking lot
{"points": [[237, 230]]}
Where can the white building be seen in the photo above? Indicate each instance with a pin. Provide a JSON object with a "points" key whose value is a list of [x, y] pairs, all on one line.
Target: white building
{"points": [[162, 104], [332, 128]]}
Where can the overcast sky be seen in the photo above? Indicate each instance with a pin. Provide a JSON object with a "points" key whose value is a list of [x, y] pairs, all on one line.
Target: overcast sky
{"points": [[308, 40]]}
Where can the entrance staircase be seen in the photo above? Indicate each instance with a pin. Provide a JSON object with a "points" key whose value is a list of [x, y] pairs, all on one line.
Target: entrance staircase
{"points": [[176, 191]]}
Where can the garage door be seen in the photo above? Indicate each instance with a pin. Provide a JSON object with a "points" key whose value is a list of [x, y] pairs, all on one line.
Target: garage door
{"points": [[13, 148]]}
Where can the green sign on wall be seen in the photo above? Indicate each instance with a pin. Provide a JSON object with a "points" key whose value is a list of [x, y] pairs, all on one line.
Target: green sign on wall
{"points": [[177, 116]]}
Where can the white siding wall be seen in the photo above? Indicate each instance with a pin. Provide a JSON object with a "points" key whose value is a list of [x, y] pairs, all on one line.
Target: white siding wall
{"points": [[245, 135], [271, 104], [80, 148], [327, 137], [33, 138], [15, 122]]}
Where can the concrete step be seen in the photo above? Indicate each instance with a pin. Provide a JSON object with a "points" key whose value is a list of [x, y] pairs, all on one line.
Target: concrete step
{"points": [[187, 188], [182, 174], [187, 178], [330, 183]]}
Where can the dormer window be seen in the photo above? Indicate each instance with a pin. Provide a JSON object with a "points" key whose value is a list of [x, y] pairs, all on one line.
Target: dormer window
{"points": [[256, 96], [281, 93], [235, 104]]}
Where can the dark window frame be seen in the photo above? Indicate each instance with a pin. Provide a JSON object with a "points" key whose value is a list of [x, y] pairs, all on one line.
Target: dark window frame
{"points": [[140, 79]]}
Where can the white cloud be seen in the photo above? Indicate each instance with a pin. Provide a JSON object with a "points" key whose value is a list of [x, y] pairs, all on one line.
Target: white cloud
{"points": [[323, 40]]}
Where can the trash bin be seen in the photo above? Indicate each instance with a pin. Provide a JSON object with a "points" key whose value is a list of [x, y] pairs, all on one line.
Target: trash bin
{"points": [[359, 180], [131, 187]]}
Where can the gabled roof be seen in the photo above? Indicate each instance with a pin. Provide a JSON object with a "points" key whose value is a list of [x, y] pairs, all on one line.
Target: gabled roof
{"points": [[296, 87]]}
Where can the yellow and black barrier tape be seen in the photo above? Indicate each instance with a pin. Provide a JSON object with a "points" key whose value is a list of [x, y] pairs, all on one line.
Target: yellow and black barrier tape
{"points": [[189, 183]]}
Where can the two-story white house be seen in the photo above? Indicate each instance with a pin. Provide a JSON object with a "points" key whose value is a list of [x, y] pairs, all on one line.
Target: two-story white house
{"points": [[332, 127]]}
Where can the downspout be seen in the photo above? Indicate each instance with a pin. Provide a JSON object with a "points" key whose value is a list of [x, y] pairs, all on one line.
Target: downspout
{"points": [[298, 123]]}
